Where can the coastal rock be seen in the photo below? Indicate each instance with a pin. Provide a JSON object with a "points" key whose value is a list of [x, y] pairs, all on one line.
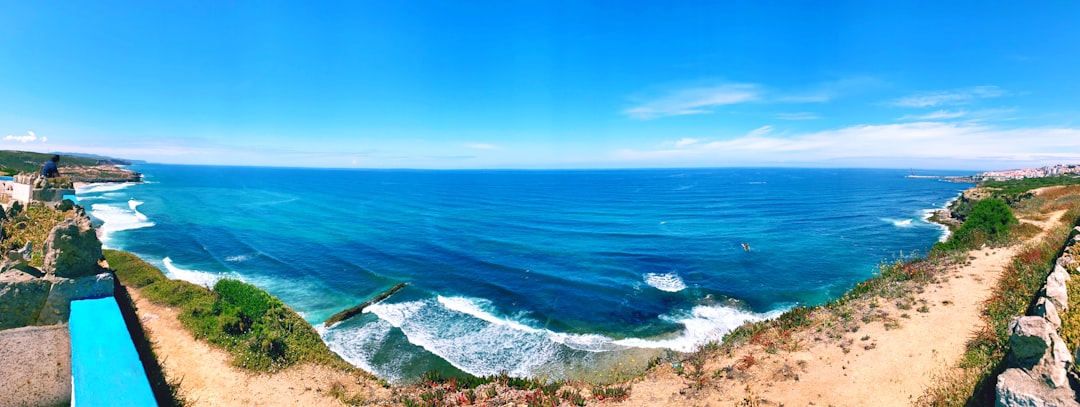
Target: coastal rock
{"points": [[1046, 309], [1038, 349], [72, 249], [1016, 388], [21, 299], [57, 307]]}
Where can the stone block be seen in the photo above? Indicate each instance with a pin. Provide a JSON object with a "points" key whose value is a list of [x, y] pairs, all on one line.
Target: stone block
{"points": [[21, 302], [57, 307], [1046, 309], [1016, 388]]}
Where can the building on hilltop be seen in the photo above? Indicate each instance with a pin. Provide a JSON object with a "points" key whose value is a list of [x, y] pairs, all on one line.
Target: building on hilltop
{"points": [[25, 188]]}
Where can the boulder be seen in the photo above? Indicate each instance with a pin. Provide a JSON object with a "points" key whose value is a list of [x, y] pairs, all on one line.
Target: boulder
{"points": [[1016, 388], [1056, 292], [72, 249], [57, 307], [1037, 348], [1046, 309], [21, 299]]}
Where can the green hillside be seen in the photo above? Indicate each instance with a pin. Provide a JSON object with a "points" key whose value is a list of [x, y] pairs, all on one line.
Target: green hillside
{"points": [[14, 162]]}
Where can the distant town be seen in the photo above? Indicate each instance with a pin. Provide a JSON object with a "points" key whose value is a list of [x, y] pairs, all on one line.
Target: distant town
{"points": [[1048, 171]]}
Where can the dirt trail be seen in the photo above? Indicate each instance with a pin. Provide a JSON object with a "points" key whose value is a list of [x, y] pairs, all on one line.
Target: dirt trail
{"points": [[207, 379], [888, 363]]}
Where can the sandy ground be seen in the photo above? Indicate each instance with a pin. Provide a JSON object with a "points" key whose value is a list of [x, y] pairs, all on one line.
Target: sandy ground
{"points": [[886, 364], [207, 379]]}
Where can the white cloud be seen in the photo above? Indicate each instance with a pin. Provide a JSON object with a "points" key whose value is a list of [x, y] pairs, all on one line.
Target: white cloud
{"points": [[938, 115], [482, 146], [943, 142], [798, 116], [686, 141], [30, 136], [949, 98], [697, 100]]}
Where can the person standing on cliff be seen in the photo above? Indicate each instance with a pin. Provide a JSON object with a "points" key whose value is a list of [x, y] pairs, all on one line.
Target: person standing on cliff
{"points": [[49, 170]]}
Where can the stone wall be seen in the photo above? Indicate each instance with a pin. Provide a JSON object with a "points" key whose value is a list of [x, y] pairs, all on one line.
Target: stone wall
{"points": [[1041, 368], [70, 271]]}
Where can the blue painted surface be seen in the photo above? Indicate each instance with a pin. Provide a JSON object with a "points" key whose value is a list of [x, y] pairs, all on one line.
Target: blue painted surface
{"points": [[104, 363], [72, 198]]}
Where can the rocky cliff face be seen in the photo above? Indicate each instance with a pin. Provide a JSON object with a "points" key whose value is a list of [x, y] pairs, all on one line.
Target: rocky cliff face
{"points": [[70, 271]]}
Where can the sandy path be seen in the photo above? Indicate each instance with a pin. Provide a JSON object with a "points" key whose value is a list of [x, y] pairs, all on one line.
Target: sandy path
{"points": [[886, 365], [208, 380]]}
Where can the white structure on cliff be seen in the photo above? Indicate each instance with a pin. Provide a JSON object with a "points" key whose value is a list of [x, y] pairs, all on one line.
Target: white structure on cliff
{"points": [[26, 188]]}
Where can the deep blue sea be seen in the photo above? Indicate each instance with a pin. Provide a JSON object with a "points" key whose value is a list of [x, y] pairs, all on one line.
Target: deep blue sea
{"points": [[536, 273]]}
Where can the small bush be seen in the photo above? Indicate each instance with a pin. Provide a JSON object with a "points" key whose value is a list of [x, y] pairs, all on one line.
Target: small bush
{"points": [[252, 301]]}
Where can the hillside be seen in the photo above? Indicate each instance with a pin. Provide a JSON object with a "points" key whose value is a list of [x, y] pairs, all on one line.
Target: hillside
{"points": [[77, 168]]}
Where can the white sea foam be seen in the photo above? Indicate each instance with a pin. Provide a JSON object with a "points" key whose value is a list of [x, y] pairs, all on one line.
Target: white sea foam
{"points": [[240, 258], [945, 232], [133, 204], [116, 217], [669, 282], [358, 345], [103, 187], [469, 334], [194, 276], [470, 343], [703, 324], [900, 223]]}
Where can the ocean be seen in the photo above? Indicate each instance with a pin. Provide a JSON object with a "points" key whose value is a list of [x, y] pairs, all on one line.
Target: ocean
{"points": [[557, 274]]}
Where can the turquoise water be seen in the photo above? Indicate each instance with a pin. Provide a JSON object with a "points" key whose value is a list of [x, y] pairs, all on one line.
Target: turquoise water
{"points": [[548, 273]]}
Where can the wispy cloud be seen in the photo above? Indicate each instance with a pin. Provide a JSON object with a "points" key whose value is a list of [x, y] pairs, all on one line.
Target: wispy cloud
{"points": [[946, 142], [938, 115], [685, 141], [830, 90], [482, 146], [30, 136], [698, 100], [949, 98], [798, 116]]}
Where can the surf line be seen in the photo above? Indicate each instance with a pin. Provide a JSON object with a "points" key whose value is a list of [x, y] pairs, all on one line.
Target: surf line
{"points": [[354, 311]]}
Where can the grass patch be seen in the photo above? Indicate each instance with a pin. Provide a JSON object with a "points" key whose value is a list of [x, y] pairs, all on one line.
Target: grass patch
{"points": [[260, 333]]}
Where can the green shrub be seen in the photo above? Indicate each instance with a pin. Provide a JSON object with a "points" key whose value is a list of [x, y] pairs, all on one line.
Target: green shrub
{"points": [[989, 221], [252, 301]]}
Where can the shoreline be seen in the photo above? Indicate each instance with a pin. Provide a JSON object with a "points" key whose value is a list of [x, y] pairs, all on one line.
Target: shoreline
{"points": [[655, 349]]}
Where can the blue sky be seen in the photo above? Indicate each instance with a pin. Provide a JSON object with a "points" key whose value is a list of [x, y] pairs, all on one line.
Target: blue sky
{"points": [[522, 84]]}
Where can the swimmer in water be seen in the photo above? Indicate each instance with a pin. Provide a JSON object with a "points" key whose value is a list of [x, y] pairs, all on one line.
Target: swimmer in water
{"points": [[746, 246]]}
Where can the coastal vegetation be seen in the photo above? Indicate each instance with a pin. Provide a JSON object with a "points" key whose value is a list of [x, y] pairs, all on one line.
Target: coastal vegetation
{"points": [[30, 225], [74, 168], [259, 331], [989, 222]]}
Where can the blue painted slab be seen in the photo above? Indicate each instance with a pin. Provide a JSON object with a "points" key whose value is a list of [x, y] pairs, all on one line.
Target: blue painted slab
{"points": [[104, 364]]}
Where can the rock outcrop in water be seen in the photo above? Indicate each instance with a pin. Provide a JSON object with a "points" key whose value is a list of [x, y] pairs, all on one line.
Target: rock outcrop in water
{"points": [[70, 271]]}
